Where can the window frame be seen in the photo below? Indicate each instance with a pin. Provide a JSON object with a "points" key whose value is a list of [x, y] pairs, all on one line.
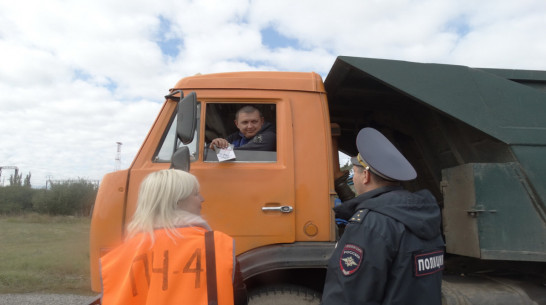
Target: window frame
{"points": [[249, 155]]}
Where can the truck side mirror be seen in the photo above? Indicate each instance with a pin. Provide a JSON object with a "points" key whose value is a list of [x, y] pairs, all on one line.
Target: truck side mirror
{"points": [[181, 159], [186, 118]]}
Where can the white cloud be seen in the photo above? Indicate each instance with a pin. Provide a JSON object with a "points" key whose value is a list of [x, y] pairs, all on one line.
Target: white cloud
{"points": [[76, 77]]}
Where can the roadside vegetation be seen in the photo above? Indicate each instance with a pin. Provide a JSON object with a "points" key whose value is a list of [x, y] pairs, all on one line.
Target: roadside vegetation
{"points": [[70, 197], [44, 253], [44, 236]]}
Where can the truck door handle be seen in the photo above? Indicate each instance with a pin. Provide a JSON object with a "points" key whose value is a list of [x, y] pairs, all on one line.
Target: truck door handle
{"points": [[282, 209]]}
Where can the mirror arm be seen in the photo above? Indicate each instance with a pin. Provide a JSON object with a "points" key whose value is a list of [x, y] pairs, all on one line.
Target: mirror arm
{"points": [[173, 97]]}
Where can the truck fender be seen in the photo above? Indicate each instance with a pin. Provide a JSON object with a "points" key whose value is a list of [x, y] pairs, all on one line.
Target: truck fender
{"points": [[303, 255]]}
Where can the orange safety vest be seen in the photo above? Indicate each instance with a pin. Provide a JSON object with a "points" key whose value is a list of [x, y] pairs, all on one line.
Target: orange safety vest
{"points": [[172, 270]]}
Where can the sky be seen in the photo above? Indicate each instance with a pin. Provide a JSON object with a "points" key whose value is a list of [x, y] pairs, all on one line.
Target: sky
{"points": [[76, 77]]}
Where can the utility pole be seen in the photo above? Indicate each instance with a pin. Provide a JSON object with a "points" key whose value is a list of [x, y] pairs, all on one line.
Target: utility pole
{"points": [[118, 157], [48, 181]]}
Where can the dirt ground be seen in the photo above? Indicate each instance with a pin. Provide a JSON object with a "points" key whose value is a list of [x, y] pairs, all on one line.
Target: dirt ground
{"points": [[45, 299]]}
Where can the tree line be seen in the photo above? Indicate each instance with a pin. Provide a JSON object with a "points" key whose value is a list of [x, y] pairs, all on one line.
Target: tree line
{"points": [[70, 197]]}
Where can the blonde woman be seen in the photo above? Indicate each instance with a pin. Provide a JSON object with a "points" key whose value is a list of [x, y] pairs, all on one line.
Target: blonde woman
{"points": [[170, 255]]}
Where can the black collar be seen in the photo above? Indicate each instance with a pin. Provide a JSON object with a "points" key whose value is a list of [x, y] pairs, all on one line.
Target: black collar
{"points": [[349, 207]]}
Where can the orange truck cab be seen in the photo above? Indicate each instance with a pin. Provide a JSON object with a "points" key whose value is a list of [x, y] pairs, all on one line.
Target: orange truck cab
{"points": [[472, 147], [275, 204]]}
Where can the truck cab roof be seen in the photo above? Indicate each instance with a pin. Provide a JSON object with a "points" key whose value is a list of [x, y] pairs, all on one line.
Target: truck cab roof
{"points": [[292, 81]]}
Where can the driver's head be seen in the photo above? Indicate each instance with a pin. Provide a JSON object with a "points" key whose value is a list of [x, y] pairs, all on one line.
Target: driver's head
{"points": [[249, 121]]}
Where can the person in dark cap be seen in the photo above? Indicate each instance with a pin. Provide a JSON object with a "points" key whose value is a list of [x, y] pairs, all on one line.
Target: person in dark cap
{"points": [[392, 249]]}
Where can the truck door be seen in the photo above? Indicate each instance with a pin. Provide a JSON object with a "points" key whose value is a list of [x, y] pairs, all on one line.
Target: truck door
{"points": [[158, 148], [252, 197]]}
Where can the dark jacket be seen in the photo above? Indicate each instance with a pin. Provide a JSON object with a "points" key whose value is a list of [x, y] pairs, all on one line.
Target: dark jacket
{"points": [[264, 140], [391, 251]]}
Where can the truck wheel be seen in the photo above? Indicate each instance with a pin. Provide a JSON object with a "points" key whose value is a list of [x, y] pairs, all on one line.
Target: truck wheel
{"points": [[285, 295]]}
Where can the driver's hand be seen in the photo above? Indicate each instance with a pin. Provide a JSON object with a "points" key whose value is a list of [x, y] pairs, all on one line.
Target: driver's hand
{"points": [[219, 142]]}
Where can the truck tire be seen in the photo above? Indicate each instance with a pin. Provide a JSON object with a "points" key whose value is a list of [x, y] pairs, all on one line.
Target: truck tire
{"points": [[285, 295]]}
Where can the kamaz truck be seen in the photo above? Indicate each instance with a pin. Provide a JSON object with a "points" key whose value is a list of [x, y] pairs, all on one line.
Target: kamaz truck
{"points": [[476, 137]]}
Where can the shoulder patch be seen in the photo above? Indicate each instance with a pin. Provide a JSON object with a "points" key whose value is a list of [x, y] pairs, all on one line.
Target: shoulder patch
{"points": [[358, 216], [351, 257], [428, 262]]}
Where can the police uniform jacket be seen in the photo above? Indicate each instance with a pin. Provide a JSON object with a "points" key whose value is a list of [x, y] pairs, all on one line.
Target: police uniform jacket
{"points": [[391, 251], [264, 140]]}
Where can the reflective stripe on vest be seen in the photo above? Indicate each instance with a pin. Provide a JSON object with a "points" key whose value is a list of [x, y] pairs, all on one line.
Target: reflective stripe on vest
{"points": [[171, 271]]}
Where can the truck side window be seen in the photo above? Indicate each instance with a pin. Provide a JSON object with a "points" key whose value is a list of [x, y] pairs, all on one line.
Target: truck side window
{"points": [[252, 144], [169, 142]]}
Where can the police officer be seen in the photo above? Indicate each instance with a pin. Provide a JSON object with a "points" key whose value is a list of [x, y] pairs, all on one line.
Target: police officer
{"points": [[392, 250]]}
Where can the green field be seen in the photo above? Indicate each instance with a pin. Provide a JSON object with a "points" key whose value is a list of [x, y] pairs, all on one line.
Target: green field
{"points": [[46, 254]]}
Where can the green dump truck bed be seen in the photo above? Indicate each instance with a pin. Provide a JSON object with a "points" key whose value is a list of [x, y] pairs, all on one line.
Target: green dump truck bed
{"points": [[477, 138]]}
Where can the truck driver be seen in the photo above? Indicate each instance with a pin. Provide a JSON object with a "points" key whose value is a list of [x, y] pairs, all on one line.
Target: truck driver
{"points": [[254, 133]]}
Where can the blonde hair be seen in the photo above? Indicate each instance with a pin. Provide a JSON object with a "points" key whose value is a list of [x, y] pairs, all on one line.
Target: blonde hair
{"points": [[157, 204]]}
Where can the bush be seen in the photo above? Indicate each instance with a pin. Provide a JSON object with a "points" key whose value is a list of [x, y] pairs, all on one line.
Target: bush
{"points": [[67, 198], [75, 197], [15, 199]]}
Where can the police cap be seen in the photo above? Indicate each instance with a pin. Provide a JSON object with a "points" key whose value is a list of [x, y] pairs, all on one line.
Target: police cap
{"points": [[379, 155]]}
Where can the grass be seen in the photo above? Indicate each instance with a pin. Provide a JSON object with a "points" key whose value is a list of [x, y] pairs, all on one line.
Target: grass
{"points": [[45, 254]]}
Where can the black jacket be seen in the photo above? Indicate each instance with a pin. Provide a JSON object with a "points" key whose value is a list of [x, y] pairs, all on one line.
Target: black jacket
{"points": [[391, 251], [264, 140]]}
